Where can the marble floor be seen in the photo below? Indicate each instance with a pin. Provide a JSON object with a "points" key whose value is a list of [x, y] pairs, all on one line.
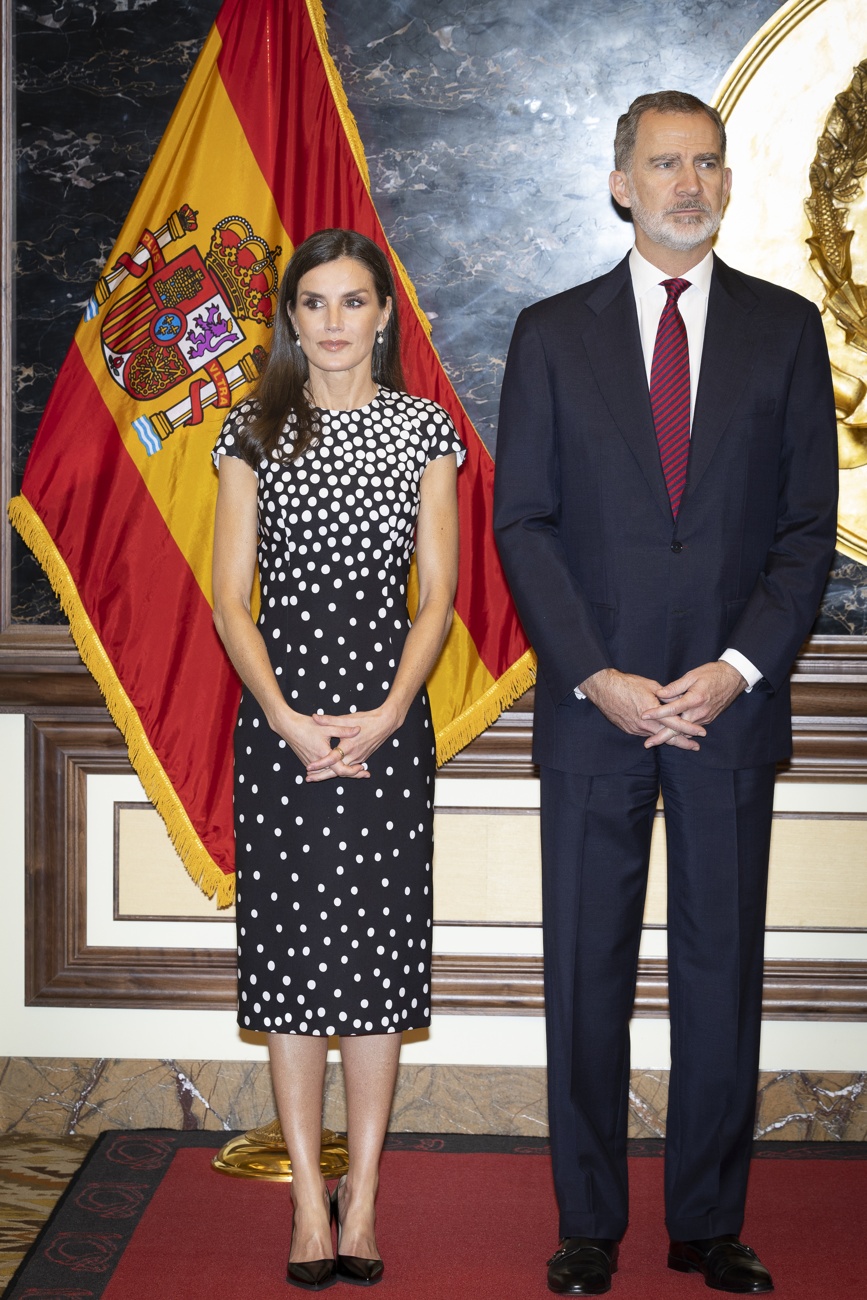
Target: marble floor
{"points": [[34, 1172]]}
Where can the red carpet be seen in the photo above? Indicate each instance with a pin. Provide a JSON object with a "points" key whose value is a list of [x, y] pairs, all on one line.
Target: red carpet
{"points": [[482, 1226]]}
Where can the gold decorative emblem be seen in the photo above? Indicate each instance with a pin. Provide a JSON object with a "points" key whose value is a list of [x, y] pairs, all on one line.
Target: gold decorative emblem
{"points": [[836, 176], [796, 117]]}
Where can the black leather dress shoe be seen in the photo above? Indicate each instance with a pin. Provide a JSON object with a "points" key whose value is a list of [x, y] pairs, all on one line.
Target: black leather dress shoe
{"points": [[583, 1266], [727, 1264], [358, 1270], [311, 1274], [355, 1269]]}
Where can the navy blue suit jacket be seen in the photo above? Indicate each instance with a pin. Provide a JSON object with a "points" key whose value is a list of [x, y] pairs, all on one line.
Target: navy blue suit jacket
{"points": [[601, 574]]}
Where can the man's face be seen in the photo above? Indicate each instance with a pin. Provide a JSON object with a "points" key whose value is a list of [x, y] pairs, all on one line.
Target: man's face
{"points": [[676, 185]]}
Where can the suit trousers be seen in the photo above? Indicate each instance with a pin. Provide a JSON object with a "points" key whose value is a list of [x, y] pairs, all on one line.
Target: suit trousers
{"points": [[595, 852]]}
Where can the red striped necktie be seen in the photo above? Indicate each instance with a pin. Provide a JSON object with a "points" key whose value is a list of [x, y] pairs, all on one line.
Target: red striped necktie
{"points": [[669, 393]]}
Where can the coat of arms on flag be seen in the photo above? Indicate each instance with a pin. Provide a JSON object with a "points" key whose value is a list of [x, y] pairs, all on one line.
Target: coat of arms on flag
{"points": [[178, 326], [179, 320]]}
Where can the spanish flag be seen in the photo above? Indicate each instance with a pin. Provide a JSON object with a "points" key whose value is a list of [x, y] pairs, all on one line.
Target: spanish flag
{"points": [[118, 497]]}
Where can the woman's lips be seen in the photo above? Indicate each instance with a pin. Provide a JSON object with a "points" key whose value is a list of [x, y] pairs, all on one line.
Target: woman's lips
{"points": [[334, 345]]}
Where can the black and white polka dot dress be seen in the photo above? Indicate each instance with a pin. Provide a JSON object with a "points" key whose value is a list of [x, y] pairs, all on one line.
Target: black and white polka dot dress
{"points": [[334, 899]]}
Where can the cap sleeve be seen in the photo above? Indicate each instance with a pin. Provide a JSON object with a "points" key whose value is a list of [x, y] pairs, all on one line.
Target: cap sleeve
{"points": [[227, 439], [443, 438]]}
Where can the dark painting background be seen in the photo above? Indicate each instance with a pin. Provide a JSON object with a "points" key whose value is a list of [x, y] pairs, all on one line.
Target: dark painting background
{"points": [[487, 127]]}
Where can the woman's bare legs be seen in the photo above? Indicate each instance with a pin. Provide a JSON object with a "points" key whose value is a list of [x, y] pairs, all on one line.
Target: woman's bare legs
{"points": [[369, 1071], [298, 1075]]}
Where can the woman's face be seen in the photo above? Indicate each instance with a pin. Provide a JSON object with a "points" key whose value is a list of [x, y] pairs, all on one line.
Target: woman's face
{"points": [[337, 315]]}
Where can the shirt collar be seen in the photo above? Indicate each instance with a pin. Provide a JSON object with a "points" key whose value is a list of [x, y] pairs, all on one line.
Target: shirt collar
{"points": [[646, 276]]}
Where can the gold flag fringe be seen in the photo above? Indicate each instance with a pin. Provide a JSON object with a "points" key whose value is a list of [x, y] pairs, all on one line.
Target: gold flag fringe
{"points": [[451, 739], [158, 788], [341, 103]]}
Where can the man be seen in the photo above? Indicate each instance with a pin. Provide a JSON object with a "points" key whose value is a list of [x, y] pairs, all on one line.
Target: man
{"points": [[665, 512]]}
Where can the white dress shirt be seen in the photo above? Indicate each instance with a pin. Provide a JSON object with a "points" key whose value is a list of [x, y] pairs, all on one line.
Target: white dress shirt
{"points": [[650, 298]]}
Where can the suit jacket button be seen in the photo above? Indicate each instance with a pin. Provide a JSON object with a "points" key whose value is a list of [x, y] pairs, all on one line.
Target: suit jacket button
{"points": [[677, 547]]}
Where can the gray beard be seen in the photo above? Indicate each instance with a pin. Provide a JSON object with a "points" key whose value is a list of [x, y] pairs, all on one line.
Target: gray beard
{"points": [[688, 234]]}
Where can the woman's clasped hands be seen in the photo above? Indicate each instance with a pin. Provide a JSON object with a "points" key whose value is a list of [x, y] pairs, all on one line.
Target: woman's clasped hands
{"points": [[358, 735]]}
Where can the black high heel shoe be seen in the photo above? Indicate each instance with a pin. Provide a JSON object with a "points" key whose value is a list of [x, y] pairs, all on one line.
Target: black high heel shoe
{"points": [[311, 1274], [354, 1269]]}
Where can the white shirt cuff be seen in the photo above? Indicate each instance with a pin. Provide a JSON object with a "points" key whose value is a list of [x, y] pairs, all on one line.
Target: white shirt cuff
{"points": [[750, 673], [579, 695]]}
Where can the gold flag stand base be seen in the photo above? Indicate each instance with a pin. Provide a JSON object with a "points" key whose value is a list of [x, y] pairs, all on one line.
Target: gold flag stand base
{"points": [[262, 1153]]}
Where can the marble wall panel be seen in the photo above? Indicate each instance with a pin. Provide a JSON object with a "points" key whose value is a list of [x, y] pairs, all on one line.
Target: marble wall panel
{"points": [[487, 126], [57, 1097], [812, 1107]]}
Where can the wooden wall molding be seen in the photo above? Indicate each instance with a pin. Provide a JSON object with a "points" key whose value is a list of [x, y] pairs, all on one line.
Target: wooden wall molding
{"points": [[62, 969], [829, 725], [793, 990]]}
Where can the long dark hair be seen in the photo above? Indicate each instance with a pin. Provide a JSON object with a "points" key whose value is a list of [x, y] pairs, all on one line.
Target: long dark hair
{"points": [[280, 389]]}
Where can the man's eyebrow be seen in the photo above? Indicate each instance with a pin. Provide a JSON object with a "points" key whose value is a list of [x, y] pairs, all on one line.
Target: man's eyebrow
{"points": [[674, 155]]}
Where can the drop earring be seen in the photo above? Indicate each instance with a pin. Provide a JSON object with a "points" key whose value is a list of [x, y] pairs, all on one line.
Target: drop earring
{"points": [[379, 337]]}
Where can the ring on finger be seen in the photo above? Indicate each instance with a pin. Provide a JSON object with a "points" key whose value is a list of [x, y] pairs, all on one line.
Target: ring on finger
{"points": [[338, 750]]}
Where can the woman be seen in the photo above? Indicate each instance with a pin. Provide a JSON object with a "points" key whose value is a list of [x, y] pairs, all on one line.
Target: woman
{"points": [[329, 473]]}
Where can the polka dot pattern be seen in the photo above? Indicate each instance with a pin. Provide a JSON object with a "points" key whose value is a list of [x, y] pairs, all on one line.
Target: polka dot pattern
{"points": [[334, 898]]}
